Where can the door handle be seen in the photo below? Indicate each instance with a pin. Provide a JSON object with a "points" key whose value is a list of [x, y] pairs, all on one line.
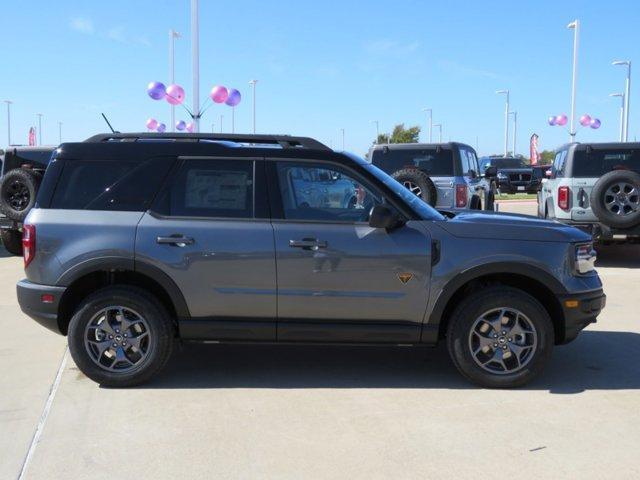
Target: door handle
{"points": [[308, 244], [177, 240]]}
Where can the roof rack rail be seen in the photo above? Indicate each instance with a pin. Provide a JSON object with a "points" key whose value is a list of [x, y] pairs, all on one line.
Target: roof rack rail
{"points": [[284, 141]]}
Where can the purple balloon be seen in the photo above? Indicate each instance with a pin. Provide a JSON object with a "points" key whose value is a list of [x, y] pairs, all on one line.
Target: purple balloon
{"points": [[234, 97], [219, 94], [152, 123], [561, 120], [161, 128], [595, 123], [181, 125], [552, 120], [156, 90], [190, 127], [585, 120], [175, 94]]}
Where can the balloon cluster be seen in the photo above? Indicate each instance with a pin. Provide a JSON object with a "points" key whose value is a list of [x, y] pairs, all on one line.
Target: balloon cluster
{"points": [[585, 121], [153, 124], [220, 94], [174, 94]]}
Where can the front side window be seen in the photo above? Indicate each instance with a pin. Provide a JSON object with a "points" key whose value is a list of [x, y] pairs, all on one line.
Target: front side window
{"points": [[210, 188], [319, 192]]}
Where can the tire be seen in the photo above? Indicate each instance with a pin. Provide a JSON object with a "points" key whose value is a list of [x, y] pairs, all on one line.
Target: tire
{"points": [[476, 203], [12, 241], [490, 204], [159, 341], [460, 339], [621, 209], [18, 191], [424, 186]]}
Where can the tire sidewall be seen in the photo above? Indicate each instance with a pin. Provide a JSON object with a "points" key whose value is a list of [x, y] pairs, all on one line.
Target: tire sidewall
{"points": [[596, 199], [429, 193], [31, 180]]}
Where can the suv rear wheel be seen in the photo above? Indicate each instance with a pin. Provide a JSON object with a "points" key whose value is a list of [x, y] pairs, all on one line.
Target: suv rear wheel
{"points": [[615, 199], [500, 337], [18, 193], [418, 183], [12, 241], [120, 336]]}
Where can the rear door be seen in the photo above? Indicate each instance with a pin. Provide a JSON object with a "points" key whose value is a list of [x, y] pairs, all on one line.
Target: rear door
{"points": [[209, 231], [471, 171]]}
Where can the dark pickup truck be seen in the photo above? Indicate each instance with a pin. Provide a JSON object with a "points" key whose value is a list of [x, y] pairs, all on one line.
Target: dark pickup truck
{"points": [[515, 174]]}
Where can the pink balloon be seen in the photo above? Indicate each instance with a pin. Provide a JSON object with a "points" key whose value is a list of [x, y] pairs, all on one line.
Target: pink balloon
{"points": [[175, 94], [181, 125], [161, 128], [152, 123], [189, 127], [219, 94], [552, 120], [595, 123], [561, 120], [585, 120], [234, 97]]}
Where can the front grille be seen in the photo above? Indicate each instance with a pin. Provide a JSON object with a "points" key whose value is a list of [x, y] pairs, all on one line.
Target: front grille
{"points": [[520, 177]]}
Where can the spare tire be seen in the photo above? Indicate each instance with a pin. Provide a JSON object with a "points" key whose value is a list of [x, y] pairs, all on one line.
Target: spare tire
{"points": [[418, 183], [615, 199], [18, 190]]}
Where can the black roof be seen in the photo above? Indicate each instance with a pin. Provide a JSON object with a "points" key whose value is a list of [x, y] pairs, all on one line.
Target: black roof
{"points": [[411, 146]]}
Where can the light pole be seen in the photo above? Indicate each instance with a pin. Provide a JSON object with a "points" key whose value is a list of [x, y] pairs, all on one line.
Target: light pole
{"points": [[195, 63], [253, 88], [621, 95], [627, 91], [439, 127], [515, 130], [377, 123], [212, 127], [39, 115], [221, 119], [575, 25], [8, 102], [342, 130], [430, 110], [59, 133], [506, 120], [172, 71]]}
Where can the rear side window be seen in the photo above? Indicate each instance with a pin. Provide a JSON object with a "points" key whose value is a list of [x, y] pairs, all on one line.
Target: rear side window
{"points": [[598, 162], [210, 188], [432, 162], [119, 185]]}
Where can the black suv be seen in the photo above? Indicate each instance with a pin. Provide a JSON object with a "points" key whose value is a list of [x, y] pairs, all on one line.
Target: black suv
{"points": [[21, 174], [515, 174]]}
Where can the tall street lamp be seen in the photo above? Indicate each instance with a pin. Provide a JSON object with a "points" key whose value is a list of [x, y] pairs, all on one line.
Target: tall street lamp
{"points": [[253, 87], [439, 127], [430, 110], [621, 95], [627, 91], [221, 119], [8, 102], [515, 130], [195, 63], [575, 25], [377, 123], [506, 120], [172, 71], [59, 133], [39, 115], [342, 130]]}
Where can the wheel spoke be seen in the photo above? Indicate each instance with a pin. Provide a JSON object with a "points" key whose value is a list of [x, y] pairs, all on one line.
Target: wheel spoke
{"points": [[135, 341], [102, 346]]}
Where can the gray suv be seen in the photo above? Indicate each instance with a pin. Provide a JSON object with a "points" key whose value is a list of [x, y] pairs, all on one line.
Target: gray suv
{"points": [[138, 241]]}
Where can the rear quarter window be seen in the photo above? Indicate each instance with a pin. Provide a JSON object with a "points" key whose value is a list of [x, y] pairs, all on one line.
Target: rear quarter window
{"points": [[596, 163], [431, 161]]}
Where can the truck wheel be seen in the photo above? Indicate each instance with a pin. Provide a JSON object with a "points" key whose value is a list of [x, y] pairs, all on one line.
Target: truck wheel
{"points": [[500, 337], [120, 336], [418, 183], [615, 199], [490, 204], [12, 241], [18, 193]]}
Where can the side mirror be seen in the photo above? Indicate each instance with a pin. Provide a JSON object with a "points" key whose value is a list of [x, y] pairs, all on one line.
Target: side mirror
{"points": [[491, 171], [382, 216]]}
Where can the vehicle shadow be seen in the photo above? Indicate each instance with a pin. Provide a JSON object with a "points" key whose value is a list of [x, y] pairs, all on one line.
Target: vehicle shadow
{"points": [[597, 360], [4, 253], [618, 256]]}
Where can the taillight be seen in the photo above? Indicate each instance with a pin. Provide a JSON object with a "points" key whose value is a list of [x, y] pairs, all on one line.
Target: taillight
{"points": [[563, 197], [461, 196], [28, 243]]}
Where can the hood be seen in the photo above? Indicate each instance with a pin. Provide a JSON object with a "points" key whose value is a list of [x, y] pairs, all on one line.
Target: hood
{"points": [[509, 226]]}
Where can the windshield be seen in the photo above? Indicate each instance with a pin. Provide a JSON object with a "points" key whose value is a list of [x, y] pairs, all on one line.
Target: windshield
{"points": [[505, 163], [598, 162], [425, 211], [434, 162]]}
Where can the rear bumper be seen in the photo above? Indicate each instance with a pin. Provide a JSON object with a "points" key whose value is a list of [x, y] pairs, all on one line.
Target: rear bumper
{"points": [[30, 300], [601, 231], [507, 186], [576, 318]]}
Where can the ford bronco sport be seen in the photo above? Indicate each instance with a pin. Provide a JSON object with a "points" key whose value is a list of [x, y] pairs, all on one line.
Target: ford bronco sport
{"points": [[141, 240]]}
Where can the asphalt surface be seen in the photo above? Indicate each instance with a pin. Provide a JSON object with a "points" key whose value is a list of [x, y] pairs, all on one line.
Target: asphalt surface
{"points": [[319, 412]]}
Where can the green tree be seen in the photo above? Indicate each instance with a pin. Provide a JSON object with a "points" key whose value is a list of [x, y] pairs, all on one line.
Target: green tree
{"points": [[400, 135], [547, 156]]}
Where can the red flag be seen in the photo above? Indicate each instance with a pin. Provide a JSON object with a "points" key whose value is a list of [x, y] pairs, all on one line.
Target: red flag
{"points": [[533, 147], [32, 137]]}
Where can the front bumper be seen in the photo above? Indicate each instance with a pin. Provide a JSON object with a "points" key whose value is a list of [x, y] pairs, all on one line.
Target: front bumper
{"points": [[30, 297], [579, 311]]}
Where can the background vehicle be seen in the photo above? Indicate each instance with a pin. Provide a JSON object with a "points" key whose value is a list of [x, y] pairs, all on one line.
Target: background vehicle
{"points": [[515, 174], [233, 238], [595, 187], [444, 175], [22, 170]]}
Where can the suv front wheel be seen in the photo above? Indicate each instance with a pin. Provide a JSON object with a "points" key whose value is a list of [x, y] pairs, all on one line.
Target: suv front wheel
{"points": [[500, 337], [120, 336]]}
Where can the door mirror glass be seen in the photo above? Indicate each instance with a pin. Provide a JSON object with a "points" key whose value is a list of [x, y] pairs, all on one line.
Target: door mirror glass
{"points": [[382, 216]]}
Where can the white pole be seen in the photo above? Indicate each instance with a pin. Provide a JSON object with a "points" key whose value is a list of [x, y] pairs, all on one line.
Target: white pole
{"points": [[622, 105], [515, 129], [233, 119], [575, 25], [39, 128], [172, 71], [439, 126], [253, 85], [8, 102], [377, 123], [59, 132], [221, 119], [342, 139], [627, 92], [195, 63], [430, 110], [506, 121]]}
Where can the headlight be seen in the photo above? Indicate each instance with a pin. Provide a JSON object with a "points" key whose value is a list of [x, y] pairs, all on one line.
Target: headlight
{"points": [[585, 258], [502, 176]]}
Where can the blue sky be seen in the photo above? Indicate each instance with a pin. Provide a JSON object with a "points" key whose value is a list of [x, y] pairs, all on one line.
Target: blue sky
{"points": [[322, 66]]}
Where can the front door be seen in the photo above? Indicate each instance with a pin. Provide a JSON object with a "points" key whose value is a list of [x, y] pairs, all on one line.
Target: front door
{"points": [[338, 278]]}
